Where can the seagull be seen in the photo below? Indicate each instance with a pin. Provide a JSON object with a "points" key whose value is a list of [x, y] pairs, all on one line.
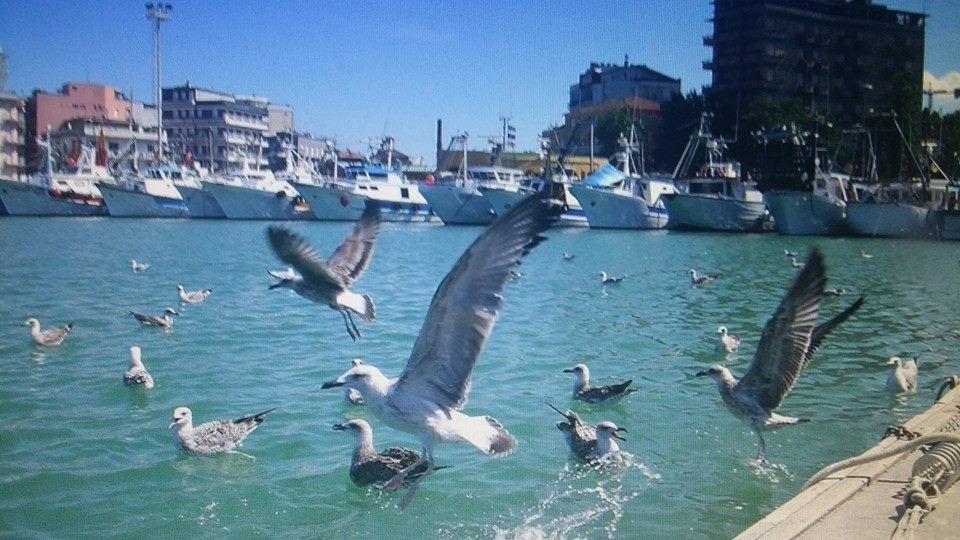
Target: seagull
{"points": [[794, 263], [568, 256], [193, 297], [584, 391], [371, 467], [427, 398], [288, 273], [728, 342], [903, 374], [352, 396], [789, 253], [610, 280], [138, 267], [696, 279], [835, 292], [164, 320], [787, 345], [136, 374], [865, 255], [329, 282], [586, 442], [213, 437], [50, 337]]}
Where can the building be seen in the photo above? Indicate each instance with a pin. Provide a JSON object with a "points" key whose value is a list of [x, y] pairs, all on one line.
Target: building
{"points": [[124, 139], [279, 119], [218, 128], [846, 56], [11, 135]]}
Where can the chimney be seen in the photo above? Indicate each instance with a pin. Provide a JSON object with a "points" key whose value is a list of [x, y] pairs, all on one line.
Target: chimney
{"points": [[439, 140]]}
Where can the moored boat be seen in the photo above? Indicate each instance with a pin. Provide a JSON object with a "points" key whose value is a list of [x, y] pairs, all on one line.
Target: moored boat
{"points": [[69, 193], [255, 194]]}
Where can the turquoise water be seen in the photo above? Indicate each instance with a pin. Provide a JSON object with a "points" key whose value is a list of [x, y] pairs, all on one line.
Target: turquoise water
{"points": [[80, 454]]}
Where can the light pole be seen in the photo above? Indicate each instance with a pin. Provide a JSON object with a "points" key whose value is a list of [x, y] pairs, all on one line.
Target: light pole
{"points": [[158, 13]]}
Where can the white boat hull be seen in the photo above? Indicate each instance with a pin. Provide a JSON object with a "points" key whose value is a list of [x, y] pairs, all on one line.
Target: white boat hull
{"points": [[200, 203], [503, 200], [24, 199], [246, 203], [458, 205], [336, 204], [802, 213], [607, 209], [889, 220], [125, 203], [713, 213]]}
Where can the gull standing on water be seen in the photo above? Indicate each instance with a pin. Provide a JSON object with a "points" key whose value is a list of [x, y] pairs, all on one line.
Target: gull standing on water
{"points": [[49, 337], [371, 467], [584, 391], [610, 280], [136, 374], [696, 279], [164, 320], [193, 297], [903, 374], [426, 399], [728, 342], [138, 267], [329, 282], [794, 262], [214, 437], [787, 345]]}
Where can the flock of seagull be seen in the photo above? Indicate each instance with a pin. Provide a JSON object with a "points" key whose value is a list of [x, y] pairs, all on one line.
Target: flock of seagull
{"points": [[428, 397]]}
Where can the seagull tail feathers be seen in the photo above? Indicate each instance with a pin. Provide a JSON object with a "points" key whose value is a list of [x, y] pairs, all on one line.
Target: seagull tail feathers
{"points": [[804, 420], [257, 419], [486, 433]]}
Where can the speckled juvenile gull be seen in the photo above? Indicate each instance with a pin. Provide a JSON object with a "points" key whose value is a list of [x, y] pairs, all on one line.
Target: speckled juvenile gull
{"points": [[584, 391], [610, 280], [427, 398], [787, 345], [371, 467], [329, 282], [589, 443], [193, 297], [136, 374], [697, 279], [138, 267], [728, 342], [835, 292], [352, 396], [164, 320], [49, 337], [214, 437], [903, 374]]}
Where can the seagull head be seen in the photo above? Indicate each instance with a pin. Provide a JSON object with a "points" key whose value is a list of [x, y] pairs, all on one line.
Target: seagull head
{"points": [[367, 379], [603, 276], [31, 322], [171, 311], [722, 330], [135, 359], [609, 429], [356, 426], [715, 372], [582, 372], [691, 271], [895, 361], [356, 362], [180, 288], [182, 417]]}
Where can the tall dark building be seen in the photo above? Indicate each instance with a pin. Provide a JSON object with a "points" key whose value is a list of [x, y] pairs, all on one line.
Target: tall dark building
{"points": [[853, 55]]}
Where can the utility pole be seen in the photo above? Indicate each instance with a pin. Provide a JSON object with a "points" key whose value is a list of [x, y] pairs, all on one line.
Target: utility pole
{"points": [[158, 13]]}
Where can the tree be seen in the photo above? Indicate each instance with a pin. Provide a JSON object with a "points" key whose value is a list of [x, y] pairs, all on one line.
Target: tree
{"points": [[681, 117], [610, 126]]}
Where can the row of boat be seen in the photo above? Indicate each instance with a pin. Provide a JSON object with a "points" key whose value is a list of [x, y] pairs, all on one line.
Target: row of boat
{"points": [[704, 192]]}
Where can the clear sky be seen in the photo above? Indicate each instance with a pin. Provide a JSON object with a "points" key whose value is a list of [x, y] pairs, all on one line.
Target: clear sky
{"points": [[357, 69]]}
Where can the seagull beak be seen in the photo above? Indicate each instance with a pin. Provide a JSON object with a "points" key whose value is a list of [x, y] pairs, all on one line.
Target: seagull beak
{"points": [[616, 434], [339, 427], [331, 384], [173, 423], [568, 371], [702, 373]]}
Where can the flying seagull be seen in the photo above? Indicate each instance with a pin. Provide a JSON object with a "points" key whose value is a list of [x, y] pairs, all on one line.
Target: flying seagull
{"points": [[193, 297], [568, 256], [164, 320], [697, 279], [728, 342], [903, 374], [136, 374], [214, 437], [427, 398], [794, 262], [138, 267], [49, 337], [584, 391], [787, 345], [371, 467], [610, 280], [329, 282]]}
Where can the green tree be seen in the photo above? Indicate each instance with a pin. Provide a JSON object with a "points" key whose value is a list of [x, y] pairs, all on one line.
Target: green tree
{"points": [[681, 117], [611, 125]]}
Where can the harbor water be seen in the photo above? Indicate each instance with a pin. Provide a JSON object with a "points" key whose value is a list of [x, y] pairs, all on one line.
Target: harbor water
{"points": [[82, 455]]}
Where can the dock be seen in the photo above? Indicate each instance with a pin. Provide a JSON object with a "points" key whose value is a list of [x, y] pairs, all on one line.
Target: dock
{"points": [[866, 501]]}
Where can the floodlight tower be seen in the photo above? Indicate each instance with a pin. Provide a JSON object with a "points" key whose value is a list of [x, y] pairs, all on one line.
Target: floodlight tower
{"points": [[158, 13]]}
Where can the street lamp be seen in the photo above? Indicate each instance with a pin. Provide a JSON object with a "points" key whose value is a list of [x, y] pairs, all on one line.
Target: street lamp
{"points": [[158, 13]]}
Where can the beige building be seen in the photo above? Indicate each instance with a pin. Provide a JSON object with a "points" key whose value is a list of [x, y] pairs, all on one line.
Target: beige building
{"points": [[11, 135]]}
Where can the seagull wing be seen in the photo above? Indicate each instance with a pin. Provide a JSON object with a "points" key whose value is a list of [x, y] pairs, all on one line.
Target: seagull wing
{"points": [[782, 352], [294, 250], [467, 302], [821, 331], [597, 394], [351, 257], [58, 333]]}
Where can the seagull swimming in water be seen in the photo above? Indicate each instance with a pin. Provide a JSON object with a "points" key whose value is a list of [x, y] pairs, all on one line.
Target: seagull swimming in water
{"points": [[136, 374], [427, 398], [903, 374], [794, 262], [328, 282], [49, 337], [138, 267], [697, 279], [790, 253], [587, 442], [568, 256], [835, 292], [787, 345], [214, 437], [584, 391], [164, 320], [610, 280], [865, 255], [193, 297], [728, 342], [371, 467]]}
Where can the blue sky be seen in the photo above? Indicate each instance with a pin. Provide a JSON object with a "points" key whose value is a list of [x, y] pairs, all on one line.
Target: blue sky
{"points": [[358, 69]]}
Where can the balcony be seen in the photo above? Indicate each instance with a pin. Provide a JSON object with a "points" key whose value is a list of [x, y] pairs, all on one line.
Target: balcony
{"points": [[247, 123]]}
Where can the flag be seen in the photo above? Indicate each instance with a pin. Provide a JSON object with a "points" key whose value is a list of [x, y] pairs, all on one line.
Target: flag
{"points": [[511, 136], [101, 149]]}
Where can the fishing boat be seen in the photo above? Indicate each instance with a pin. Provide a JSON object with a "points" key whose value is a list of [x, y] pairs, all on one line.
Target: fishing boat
{"points": [[503, 200], [620, 195], [256, 194], [715, 197], [200, 203]]}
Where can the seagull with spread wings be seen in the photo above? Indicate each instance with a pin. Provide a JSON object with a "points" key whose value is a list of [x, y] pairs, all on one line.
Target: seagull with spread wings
{"points": [[427, 398], [787, 345], [329, 282]]}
